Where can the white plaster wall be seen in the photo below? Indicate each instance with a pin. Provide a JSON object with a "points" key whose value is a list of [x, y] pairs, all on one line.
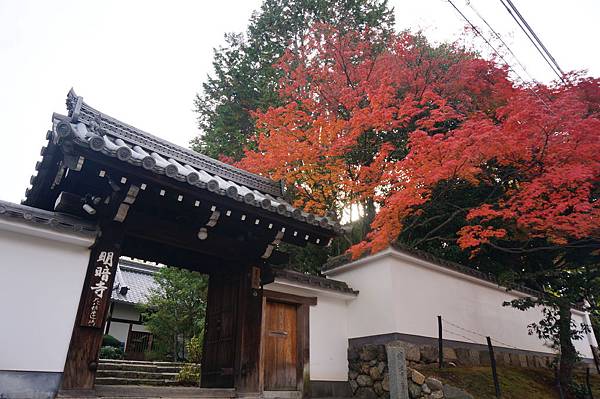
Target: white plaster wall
{"points": [[328, 340], [40, 285], [411, 293], [328, 331], [139, 327], [125, 311], [119, 330], [371, 312]]}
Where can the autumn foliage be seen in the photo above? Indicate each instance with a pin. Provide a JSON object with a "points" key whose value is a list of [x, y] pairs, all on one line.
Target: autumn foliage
{"points": [[388, 119]]}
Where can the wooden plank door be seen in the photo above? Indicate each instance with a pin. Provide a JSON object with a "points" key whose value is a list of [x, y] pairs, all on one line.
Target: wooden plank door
{"points": [[219, 339], [138, 342], [280, 350]]}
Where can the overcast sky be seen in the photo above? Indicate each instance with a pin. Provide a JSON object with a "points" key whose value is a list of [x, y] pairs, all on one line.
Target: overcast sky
{"points": [[143, 61]]}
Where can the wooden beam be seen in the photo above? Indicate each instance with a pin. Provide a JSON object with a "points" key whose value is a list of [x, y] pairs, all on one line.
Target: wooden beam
{"points": [[303, 354], [82, 357], [290, 298], [187, 190], [185, 236], [162, 253]]}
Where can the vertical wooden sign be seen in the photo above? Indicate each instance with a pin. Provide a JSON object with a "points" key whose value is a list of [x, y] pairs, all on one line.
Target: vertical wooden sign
{"points": [[86, 340], [98, 290]]}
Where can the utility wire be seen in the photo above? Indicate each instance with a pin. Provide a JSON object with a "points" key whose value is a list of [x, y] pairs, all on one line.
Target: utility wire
{"points": [[498, 54], [501, 41], [533, 38], [476, 30], [516, 10]]}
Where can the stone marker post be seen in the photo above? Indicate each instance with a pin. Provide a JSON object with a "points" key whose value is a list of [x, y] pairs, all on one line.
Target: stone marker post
{"points": [[397, 372]]}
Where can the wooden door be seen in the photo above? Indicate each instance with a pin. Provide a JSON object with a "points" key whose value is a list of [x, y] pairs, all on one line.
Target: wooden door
{"points": [[280, 346], [219, 339], [138, 342]]}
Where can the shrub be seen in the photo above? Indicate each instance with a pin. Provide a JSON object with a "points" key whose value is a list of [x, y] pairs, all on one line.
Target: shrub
{"points": [[194, 348], [189, 375], [110, 352], [109, 340]]}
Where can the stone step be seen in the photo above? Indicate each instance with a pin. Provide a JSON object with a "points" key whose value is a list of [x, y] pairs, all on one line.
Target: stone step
{"points": [[135, 374], [151, 368], [122, 361], [132, 392], [137, 381]]}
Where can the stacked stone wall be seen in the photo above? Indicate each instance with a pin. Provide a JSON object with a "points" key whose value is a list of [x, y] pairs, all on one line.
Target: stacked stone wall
{"points": [[368, 373]]}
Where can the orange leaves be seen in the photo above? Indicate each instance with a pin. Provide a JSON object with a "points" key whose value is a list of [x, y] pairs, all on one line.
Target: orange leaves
{"points": [[362, 118], [474, 236], [554, 159]]}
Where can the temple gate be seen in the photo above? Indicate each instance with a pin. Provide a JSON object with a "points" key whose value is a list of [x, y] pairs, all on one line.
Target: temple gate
{"points": [[156, 201]]}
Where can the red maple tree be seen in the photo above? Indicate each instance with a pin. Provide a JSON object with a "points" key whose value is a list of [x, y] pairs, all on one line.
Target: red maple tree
{"points": [[386, 122]]}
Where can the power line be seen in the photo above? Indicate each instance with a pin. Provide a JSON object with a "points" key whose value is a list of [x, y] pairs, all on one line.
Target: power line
{"points": [[476, 30], [498, 54], [510, 3], [501, 40], [533, 38]]}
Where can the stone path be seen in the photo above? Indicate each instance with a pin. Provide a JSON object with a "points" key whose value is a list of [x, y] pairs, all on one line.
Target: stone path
{"points": [[147, 392]]}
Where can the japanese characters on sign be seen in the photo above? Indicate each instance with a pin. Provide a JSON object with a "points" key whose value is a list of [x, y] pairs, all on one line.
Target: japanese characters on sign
{"points": [[98, 291]]}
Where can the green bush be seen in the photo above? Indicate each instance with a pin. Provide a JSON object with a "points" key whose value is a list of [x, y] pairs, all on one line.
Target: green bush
{"points": [[109, 340], [110, 352], [189, 375], [194, 348]]}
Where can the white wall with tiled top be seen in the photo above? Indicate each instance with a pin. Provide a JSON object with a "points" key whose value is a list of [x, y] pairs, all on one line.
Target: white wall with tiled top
{"points": [[41, 275], [400, 293]]}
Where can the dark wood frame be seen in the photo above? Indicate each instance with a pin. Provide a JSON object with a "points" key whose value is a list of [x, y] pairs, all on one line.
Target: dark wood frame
{"points": [[128, 344], [303, 305]]}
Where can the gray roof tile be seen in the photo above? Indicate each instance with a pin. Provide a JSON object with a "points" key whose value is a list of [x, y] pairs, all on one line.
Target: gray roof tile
{"points": [[88, 127], [138, 278], [53, 220]]}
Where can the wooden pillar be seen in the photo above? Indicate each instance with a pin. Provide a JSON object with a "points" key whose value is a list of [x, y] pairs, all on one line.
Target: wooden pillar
{"points": [[248, 373], [303, 367], [82, 358]]}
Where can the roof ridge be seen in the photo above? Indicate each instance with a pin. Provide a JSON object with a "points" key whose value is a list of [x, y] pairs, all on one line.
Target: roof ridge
{"points": [[317, 281], [138, 267], [80, 109], [55, 220]]}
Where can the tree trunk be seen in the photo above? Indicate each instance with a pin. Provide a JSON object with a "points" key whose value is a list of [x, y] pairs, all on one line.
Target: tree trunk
{"points": [[370, 213], [568, 354]]}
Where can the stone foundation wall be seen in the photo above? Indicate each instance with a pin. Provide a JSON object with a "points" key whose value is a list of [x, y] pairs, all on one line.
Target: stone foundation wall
{"points": [[369, 378]]}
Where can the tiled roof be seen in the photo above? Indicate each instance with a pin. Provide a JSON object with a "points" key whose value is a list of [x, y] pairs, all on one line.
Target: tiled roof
{"points": [[53, 220], [314, 281], [138, 278], [89, 128]]}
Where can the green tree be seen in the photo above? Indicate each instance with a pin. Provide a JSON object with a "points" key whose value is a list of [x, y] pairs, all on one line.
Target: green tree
{"points": [[175, 310], [245, 79]]}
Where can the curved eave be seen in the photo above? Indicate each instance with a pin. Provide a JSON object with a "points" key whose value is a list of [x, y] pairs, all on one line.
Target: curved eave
{"points": [[97, 136]]}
